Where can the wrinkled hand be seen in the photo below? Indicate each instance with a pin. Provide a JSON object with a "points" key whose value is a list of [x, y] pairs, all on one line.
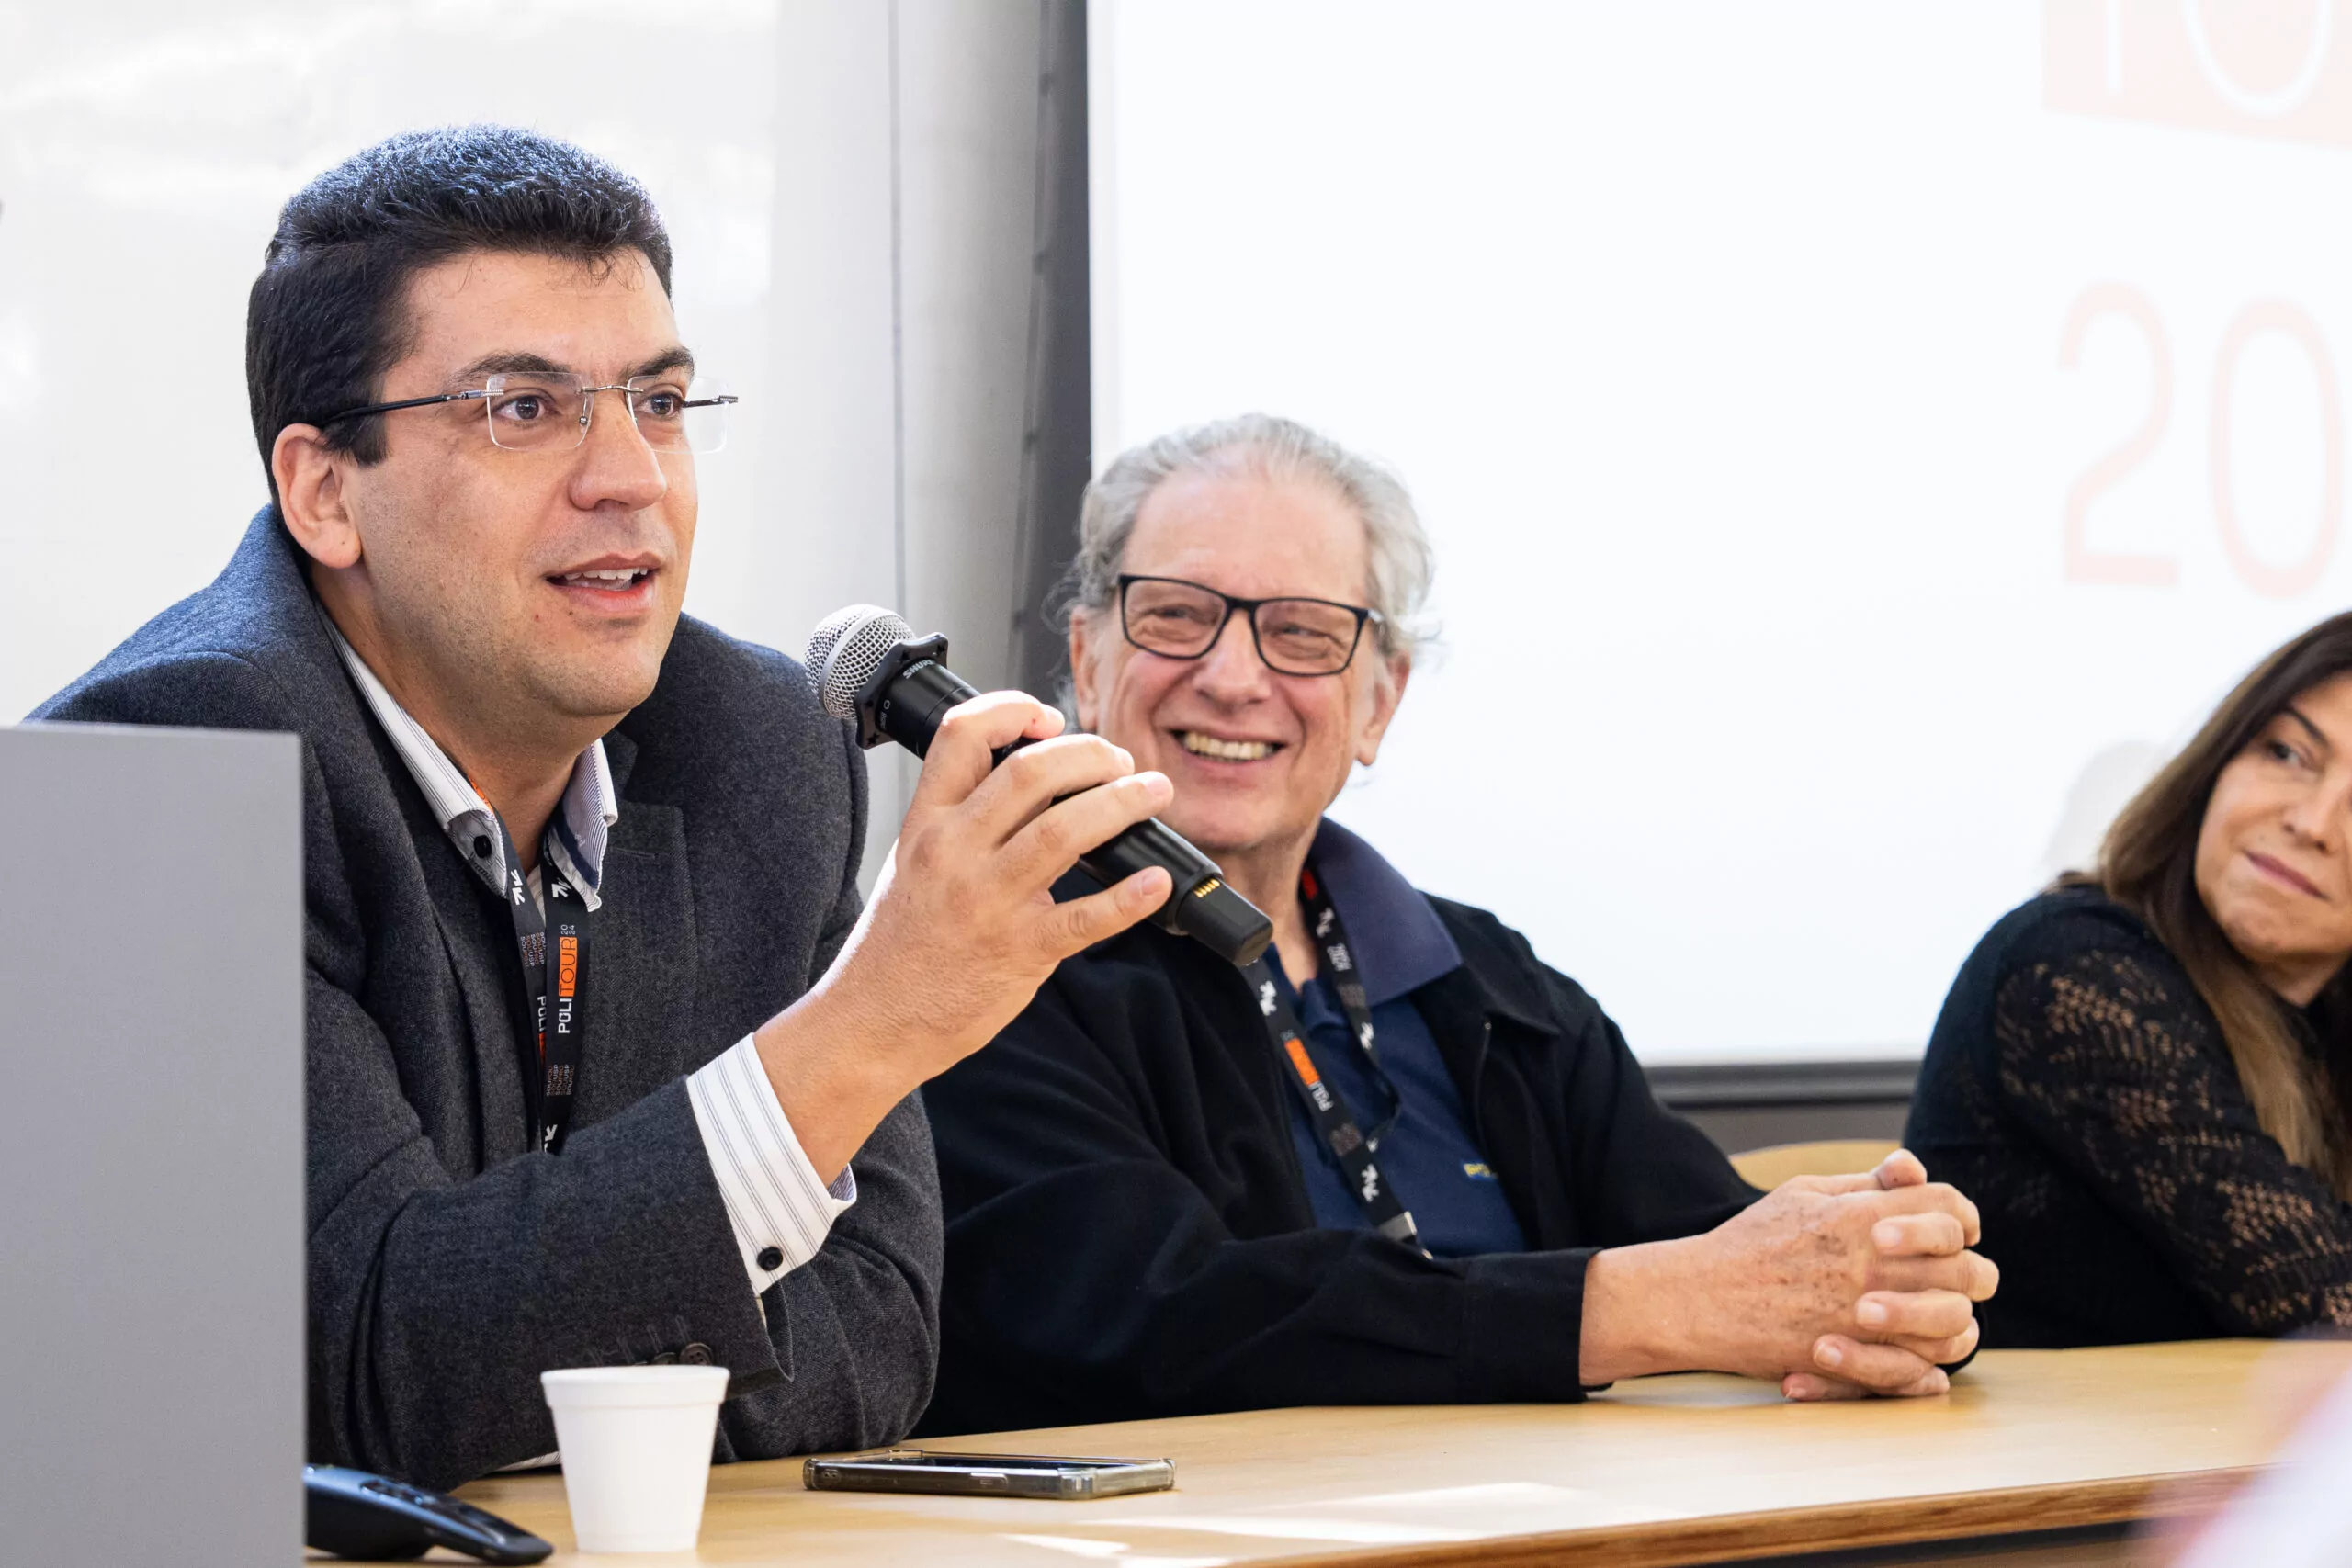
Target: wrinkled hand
{"points": [[1835, 1285], [962, 927], [1895, 1239]]}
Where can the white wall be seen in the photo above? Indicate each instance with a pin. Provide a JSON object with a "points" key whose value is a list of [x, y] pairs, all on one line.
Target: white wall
{"points": [[1857, 438], [848, 184]]}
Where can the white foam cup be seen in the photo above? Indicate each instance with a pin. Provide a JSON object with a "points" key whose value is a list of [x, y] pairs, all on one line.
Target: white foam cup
{"points": [[637, 1444]]}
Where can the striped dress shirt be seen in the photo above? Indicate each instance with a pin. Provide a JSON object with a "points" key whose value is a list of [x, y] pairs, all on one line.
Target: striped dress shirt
{"points": [[780, 1209]]}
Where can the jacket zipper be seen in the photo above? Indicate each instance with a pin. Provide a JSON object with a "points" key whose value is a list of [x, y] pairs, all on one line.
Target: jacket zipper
{"points": [[1478, 1084]]}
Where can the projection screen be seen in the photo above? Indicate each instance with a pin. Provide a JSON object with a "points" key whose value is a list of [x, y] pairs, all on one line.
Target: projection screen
{"points": [[1860, 441]]}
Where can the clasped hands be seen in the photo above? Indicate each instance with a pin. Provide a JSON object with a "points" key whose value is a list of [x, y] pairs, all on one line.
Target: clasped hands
{"points": [[1836, 1286]]}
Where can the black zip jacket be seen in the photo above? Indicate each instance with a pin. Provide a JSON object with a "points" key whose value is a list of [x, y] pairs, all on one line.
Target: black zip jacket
{"points": [[2080, 1089], [1129, 1233]]}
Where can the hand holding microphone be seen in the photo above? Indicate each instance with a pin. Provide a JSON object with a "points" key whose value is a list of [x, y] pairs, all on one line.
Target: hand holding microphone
{"points": [[962, 929], [868, 665]]}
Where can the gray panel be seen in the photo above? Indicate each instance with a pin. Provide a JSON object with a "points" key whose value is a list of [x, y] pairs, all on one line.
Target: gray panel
{"points": [[1753, 1105], [1058, 445], [1736, 1129], [151, 1146]]}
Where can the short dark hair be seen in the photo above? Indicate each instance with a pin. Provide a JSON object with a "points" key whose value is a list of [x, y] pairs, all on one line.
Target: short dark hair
{"points": [[326, 316]]}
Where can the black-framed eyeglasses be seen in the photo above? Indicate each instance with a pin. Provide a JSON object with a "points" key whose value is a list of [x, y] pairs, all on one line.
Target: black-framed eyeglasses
{"points": [[1177, 619], [550, 411]]}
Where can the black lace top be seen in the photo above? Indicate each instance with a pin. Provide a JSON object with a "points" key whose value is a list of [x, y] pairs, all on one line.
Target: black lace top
{"points": [[2078, 1088]]}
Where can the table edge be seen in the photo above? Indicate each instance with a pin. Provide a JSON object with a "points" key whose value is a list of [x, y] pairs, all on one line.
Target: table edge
{"points": [[1838, 1527]]}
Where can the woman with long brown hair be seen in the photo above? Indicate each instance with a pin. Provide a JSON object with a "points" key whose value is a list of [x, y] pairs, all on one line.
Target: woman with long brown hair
{"points": [[2141, 1075]]}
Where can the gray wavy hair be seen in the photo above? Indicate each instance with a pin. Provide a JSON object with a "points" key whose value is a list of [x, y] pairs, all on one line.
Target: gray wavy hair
{"points": [[1260, 445]]}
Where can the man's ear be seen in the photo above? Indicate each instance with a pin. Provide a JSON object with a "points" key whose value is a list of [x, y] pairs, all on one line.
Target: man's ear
{"points": [[1081, 668], [1387, 691], [314, 495]]}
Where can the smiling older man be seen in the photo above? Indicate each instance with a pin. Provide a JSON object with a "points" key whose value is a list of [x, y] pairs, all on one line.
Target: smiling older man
{"points": [[1407, 1162]]}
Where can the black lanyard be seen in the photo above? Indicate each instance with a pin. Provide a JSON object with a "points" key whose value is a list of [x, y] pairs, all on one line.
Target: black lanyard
{"points": [[1330, 1113], [554, 950]]}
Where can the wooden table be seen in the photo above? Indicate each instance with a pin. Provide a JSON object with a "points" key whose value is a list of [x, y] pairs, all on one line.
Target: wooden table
{"points": [[1691, 1469]]}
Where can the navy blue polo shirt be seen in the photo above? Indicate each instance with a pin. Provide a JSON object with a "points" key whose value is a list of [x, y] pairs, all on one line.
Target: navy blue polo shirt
{"points": [[1428, 1157]]}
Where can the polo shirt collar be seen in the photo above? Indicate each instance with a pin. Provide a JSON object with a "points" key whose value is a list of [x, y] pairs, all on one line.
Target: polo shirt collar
{"points": [[1398, 942]]}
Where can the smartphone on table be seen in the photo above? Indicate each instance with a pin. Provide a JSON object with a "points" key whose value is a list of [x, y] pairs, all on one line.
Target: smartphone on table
{"points": [[1052, 1476]]}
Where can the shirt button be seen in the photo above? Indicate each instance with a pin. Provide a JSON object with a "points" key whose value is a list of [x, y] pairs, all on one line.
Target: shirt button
{"points": [[481, 845], [770, 1257], [666, 1358], [694, 1355]]}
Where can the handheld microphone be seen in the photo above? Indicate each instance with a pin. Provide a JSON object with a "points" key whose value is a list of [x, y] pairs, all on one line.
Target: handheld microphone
{"points": [[868, 665]]}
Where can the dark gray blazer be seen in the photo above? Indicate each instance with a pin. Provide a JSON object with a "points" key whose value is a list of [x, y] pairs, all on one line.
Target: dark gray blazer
{"points": [[448, 1266]]}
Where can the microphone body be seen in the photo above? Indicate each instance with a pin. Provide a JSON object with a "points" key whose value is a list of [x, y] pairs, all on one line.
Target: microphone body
{"points": [[908, 692]]}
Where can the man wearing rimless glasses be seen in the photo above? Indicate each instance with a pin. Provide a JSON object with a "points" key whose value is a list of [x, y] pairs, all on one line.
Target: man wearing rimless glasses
{"points": [[608, 1063]]}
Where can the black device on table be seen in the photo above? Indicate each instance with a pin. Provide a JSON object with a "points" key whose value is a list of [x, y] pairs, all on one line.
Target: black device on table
{"points": [[988, 1475], [354, 1513]]}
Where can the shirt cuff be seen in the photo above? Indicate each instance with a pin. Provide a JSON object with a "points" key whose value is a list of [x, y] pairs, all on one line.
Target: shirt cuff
{"points": [[780, 1209]]}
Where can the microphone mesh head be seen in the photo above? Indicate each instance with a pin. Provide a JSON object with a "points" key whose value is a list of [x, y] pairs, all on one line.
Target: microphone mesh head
{"points": [[846, 650]]}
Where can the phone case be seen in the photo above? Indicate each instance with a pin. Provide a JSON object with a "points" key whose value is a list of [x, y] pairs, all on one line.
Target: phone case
{"points": [[1063, 1479]]}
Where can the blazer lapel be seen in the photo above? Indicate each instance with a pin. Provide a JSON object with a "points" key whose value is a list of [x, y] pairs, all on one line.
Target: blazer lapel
{"points": [[641, 982], [480, 950], [641, 966]]}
